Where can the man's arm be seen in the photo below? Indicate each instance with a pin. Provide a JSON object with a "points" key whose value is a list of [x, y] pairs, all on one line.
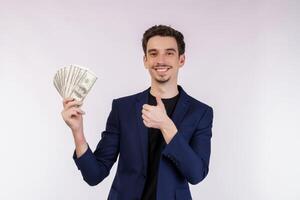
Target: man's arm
{"points": [[96, 166], [192, 158]]}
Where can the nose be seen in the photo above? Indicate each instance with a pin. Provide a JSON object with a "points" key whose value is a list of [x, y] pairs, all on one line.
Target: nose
{"points": [[161, 59]]}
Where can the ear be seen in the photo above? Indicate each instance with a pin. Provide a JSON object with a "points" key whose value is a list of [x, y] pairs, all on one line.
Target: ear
{"points": [[181, 60], [145, 61]]}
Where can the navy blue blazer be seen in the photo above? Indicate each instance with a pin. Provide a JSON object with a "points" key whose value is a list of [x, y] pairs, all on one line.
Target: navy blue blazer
{"points": [[184, 160]]}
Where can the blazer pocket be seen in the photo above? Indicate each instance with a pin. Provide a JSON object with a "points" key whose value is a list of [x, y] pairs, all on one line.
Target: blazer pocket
{"points": [[113, 194], [183, 194]]}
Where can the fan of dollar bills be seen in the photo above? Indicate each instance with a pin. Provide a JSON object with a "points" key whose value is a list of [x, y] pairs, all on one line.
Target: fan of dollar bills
{"points": [[74, 81]]}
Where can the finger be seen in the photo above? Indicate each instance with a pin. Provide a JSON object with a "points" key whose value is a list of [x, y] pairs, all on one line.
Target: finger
{"points": [[146, 112], [147, 115], [73, 104], [67, 100], [78, 110], [145, 118], [159, 101], [73, 112], [147, 124], [147, 107]]}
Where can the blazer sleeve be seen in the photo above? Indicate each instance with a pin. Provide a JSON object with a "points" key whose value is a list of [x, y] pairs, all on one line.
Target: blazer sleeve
{"points": [[192, 158], [95, 166]]}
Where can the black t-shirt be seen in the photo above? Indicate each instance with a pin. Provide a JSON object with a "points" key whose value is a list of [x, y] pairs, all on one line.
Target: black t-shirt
{"points": [[156, 145]]}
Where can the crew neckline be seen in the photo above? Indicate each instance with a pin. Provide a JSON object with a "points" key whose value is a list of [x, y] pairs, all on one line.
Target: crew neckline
{"points": [[166, 98]]}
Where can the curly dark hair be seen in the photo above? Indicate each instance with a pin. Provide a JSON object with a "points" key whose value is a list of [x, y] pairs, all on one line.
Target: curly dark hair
{"points": [[162, 30]]}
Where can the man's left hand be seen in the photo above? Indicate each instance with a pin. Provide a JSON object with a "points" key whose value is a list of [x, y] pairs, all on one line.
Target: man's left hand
{"points": [[156, 117]]}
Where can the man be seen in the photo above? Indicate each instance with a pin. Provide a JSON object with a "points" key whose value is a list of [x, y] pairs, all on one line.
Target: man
{"points": [[162, 135]]}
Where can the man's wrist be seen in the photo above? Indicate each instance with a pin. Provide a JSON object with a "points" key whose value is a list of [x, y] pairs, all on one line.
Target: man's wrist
{"points": [[80, 142], [168, 130], [81, 147]]}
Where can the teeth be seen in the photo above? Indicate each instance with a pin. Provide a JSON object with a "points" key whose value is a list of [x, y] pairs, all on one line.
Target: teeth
{"points": [[162, 69]]}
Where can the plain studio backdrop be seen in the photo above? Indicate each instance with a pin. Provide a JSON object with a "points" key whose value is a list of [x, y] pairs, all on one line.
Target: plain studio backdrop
{"points": [[242, 58]]}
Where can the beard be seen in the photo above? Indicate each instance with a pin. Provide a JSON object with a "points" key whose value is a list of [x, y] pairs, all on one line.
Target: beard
{"points": [[161, 79]]}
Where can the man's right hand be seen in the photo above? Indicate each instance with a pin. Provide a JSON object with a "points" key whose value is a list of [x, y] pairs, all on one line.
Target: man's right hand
{"points": [[72, 115]]}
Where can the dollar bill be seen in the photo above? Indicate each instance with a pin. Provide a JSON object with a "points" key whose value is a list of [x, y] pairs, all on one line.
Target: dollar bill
{"points": [[74, 81], [84, 86]]}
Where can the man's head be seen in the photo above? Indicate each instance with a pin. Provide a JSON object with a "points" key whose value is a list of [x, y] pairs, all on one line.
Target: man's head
{"points": [[164, 49], [164, 31]]}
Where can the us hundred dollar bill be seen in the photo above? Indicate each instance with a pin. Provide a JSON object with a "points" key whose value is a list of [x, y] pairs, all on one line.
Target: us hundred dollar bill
{"points": [[83, 86]]}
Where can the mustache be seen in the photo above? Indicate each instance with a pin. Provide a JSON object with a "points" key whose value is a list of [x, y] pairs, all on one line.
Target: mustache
{"points": [[161, 65]]}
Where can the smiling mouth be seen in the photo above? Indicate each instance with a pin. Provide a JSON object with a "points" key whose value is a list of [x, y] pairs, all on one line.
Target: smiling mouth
{"points": [[161, 69]]}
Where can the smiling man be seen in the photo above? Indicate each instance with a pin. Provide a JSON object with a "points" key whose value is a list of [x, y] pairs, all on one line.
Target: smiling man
{"points": [[161, 135]]}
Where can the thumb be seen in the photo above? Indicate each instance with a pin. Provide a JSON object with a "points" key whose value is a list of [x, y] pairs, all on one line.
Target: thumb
{"points": [[159, 101]]}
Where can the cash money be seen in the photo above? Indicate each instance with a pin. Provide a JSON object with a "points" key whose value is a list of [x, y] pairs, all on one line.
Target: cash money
{"points": [[74, 81]]}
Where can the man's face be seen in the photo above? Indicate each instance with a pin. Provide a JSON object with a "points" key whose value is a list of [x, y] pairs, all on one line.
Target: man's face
{"points": [[162, 59]]}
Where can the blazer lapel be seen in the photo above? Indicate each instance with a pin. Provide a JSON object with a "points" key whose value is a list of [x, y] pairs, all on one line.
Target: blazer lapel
{"points": [[181, 107], [142, 98]]}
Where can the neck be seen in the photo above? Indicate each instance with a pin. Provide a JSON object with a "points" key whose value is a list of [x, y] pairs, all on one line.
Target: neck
{"points": [[164, 91]]}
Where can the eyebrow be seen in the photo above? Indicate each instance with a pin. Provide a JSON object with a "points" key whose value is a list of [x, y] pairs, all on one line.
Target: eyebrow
{"points": [[151, 50], [169, 49]]}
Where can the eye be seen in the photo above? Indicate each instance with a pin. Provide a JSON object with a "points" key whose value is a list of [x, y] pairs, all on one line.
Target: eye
{"points": [[170, 53], [153, 54]]}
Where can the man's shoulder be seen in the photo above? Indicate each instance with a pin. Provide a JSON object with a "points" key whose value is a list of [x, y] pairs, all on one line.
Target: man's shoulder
{"points": [[127, 98], [200, 109], [199, 104]]}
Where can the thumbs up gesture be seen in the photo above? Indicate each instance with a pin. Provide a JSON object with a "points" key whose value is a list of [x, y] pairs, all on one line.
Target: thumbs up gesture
{"points": [[157, 117], [154, 116]]}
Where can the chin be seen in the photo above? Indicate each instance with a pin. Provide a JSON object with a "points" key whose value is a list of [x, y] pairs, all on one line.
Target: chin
{"points": [[162, 80]]}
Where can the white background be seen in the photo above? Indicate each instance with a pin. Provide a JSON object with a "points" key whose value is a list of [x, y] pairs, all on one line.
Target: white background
{"points": [[242, 59]]}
